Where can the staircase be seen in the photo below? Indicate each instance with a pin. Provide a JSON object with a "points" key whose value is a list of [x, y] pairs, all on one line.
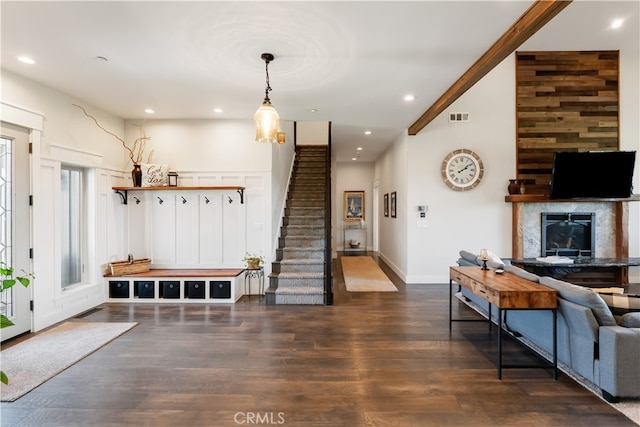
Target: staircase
{"points": [[298, 274]]}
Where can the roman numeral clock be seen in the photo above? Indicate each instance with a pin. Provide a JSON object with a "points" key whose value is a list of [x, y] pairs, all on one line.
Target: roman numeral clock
{"points": [[462, 170]]}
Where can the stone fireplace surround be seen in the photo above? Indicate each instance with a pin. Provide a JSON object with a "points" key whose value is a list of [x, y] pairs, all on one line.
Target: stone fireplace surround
{"points": [[605, 226], [612, 235]]}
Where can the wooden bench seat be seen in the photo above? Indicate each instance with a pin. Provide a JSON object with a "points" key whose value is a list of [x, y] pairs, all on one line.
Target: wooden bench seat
{"points": [[186, 272]]}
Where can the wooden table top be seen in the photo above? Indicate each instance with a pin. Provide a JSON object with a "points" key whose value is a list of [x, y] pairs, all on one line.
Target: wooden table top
{"points": [[505, 290], [186, 272]]}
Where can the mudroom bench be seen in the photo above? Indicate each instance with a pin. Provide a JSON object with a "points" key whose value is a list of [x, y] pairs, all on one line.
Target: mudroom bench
{"points": [[210, 285]]}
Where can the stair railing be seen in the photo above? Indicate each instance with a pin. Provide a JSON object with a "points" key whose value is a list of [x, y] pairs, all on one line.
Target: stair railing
{"points": [[328, 274]]}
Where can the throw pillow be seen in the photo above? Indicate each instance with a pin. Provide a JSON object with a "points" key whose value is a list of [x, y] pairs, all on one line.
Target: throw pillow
{"points": [[154, 175], [630, 320]]}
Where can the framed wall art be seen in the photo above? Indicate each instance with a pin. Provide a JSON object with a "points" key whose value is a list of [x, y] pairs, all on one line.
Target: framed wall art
{"points": [[353, 205], [393, 204], [386, 204]]}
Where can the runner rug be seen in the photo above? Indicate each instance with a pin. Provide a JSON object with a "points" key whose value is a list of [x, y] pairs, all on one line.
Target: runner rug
{"points": [[362, 274], [41, 357]]}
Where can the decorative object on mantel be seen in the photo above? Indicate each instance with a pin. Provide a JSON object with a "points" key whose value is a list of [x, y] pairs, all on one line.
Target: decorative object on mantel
{"points": [[266, 118], [173, 179], [253, 261], [513, 187], [136, 151]]}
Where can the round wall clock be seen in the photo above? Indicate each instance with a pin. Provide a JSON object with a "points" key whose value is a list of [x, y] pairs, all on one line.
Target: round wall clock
{"points": [[462, 170]]}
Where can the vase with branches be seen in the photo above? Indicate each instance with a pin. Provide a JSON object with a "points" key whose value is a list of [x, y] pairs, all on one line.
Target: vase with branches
{"points": [[135, 151]]}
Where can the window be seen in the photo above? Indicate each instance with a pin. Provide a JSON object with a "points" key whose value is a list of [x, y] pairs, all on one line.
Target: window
{"points": [[72, 225], [5, 215]]}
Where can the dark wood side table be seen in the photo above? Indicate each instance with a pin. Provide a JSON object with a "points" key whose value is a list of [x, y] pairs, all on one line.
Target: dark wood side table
{"points": [[507, 292]]}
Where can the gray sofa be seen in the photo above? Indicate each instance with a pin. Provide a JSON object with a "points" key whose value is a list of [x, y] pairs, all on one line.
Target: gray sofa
{"points": [[603, 349]]}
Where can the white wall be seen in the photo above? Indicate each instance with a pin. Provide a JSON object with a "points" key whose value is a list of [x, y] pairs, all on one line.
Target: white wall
{"points": [[67, 137], [204, 152], [392, 174], [473, 219]]}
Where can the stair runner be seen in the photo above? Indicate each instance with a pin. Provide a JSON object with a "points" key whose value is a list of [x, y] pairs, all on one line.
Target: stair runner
{"points": [[297, 275]]}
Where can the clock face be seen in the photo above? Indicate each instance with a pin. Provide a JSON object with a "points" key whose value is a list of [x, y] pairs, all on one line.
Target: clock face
{"points": [[462, 170]]}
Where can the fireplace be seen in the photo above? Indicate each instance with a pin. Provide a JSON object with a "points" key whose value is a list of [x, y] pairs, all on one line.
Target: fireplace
{"points": [[568, 234]]}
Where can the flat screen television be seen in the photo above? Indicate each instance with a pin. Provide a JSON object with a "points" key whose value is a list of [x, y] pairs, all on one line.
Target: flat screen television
{"points": [[592, 174]]}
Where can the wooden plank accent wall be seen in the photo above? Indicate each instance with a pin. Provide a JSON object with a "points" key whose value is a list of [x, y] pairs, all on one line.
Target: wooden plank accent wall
{"points": [[565, 101]]}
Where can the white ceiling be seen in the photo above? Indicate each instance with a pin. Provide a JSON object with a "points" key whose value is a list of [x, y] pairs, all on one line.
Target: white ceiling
{"points": [[351, 61]]}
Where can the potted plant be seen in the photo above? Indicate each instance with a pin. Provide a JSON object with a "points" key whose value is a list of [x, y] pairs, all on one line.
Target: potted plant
{"points": [[8, 281], [253, 262]]}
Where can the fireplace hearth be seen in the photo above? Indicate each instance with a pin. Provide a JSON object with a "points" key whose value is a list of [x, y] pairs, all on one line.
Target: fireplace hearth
{"points": [[570, 234]]}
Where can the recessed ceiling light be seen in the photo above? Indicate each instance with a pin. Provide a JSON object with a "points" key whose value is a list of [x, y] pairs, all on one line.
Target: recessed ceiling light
{"points": [[617, 23], [149, 111], [354, 158], [367, 132], [217, 110], [26, 60], [359, 148], [409, 98], [313, 110]]}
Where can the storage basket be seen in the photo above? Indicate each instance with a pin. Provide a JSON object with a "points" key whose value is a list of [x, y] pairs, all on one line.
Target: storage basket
{"points": [[122, 268]]}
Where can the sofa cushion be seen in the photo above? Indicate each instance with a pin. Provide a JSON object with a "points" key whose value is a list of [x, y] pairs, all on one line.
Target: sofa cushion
{"points": [[471, 259], [521, 273], [621, 304], [582, 296], [630, 320]]}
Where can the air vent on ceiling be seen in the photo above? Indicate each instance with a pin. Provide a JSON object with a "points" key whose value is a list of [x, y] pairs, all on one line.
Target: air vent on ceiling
{"points": [[458, 117]]}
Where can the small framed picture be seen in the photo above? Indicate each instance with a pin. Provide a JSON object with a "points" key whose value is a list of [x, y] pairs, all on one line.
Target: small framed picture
{"points": [[393, 204], [353, 205], [386, 204]]}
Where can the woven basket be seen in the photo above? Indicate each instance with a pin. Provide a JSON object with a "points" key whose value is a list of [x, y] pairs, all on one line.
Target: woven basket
{"points": [[122, 268]]}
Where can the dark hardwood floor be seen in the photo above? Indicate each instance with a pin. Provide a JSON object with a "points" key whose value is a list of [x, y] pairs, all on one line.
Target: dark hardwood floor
{"points": [[371, 359]]}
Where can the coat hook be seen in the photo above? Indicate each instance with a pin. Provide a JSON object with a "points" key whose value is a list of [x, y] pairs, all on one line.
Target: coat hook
{"points": [[183, 200], [206, 200], [137, 200], [161, 201], [230, 199]]}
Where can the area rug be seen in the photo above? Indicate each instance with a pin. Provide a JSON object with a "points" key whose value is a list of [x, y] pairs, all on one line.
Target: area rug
{"points": [[629, 407], [39, 358], [362, 274]]}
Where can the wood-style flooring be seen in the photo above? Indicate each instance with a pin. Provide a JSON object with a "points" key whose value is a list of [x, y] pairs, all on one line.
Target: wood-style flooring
{"points": [[372, 359]]}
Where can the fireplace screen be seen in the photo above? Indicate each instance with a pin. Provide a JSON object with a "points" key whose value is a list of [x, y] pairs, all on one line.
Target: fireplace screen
{"points": [[568, 234]]}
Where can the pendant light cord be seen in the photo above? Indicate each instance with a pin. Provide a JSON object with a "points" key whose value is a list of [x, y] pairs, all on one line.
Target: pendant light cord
{"points": [[268, 88]]}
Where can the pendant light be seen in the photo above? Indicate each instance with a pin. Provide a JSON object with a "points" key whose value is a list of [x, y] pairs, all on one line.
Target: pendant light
{"points": [[266, 118]]}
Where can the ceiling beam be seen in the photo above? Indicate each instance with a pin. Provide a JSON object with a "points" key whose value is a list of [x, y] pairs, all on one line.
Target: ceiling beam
{"points": [[541, 12]]}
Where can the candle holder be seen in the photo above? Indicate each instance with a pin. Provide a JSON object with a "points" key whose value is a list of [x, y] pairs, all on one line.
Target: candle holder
{"points": [[484, 257]]}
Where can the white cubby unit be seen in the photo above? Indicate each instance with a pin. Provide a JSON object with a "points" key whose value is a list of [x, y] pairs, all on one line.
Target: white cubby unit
{"points": [[194, 236]]}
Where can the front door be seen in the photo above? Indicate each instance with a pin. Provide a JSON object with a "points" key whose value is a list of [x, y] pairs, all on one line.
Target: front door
{"points": [[15, 225]]}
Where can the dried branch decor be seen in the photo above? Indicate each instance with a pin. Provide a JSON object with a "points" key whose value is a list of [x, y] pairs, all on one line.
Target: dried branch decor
{"points": [[137, 149]]}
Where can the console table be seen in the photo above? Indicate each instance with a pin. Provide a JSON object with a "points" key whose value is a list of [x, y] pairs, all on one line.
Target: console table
{"points": [[507, 292]]}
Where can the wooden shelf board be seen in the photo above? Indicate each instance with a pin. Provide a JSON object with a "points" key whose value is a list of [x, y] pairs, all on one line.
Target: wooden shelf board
{"points": [[544, 198], [180, 187]]}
